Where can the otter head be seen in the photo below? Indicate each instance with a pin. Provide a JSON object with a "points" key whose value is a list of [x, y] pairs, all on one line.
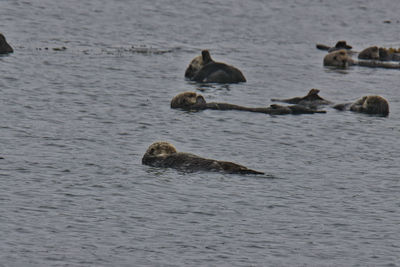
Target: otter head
{"points": [[197, 63], [369, 53], [4, 46], [186, 100], [160, 149], [338, 58]]}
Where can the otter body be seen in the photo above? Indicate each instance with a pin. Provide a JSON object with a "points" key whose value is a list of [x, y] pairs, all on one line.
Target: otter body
{"points": [[311, 100], [339, 45], [165, 155], [204, 69], [373, 104], [5, 48], [193, 101], [341, 58]]}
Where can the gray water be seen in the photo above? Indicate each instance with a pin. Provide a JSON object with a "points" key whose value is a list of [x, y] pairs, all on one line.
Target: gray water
{"points": [[75, 124]]}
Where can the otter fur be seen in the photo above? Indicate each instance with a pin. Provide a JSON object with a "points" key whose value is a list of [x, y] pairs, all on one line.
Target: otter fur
{"points": [[311, 100], [5, 48], [341, 58], [339, 45], [193, 101], [372, 104], [204, 69], [165, 155]]}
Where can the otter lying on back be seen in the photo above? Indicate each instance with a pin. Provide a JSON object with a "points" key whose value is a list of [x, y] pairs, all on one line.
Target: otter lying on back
{"points": [[373, 104], [5, 48], [205, 70], [193, 101], [164, 154], [341, 58], [311, 100]]}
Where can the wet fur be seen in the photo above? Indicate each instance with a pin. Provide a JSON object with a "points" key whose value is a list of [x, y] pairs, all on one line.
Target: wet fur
{"points": [[373, 104], [193, 101], [311, 100], [205, 70], [5, 48], [159, 154]]}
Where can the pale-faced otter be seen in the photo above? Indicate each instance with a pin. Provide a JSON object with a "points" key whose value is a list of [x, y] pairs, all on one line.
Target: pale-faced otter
{"points": [[204, 69], [339, 58], [311, 100], [5, 48], [339, 45], [165, 155], [373, 104], [193, 101], [342, 59]]}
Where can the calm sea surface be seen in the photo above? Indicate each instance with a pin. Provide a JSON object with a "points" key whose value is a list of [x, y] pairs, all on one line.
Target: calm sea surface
{"points": [[74, 125]]}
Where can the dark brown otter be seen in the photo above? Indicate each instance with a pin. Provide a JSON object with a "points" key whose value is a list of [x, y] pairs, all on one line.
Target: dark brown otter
{"points": [[373, 104], [205, 70], [311, 100], [193, 101], [339, 45], [5, 48], [165, 155]]}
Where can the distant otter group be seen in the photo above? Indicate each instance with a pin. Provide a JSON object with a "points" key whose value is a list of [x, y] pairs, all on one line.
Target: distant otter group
{"points": [[203, 69], [374, 57], [372, 104]]}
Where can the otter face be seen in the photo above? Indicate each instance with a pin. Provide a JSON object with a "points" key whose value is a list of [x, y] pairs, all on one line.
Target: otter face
{"points": [[369, 53], [4, 46], [338, 58], [186, 100], [160, 149], [195, 65]]}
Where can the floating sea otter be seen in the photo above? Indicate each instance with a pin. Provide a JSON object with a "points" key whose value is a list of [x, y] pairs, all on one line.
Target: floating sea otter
{"points": [[204, 69], [376, 105], [373, 104], [5, 48], [341, 58], [311, 100], [164, 154], [339, 45], [193, 101]]}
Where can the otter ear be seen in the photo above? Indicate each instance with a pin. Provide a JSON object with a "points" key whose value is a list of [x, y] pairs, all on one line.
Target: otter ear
{"points": [[206, 56]]}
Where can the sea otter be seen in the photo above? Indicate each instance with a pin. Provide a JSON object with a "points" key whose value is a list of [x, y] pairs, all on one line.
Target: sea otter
{"points": [[193, 101], [164, 154], [339, 45], [204, 69], [311, 100], [341, 58], [372, 104], [369, 53], [5, 48]]}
